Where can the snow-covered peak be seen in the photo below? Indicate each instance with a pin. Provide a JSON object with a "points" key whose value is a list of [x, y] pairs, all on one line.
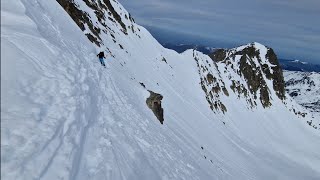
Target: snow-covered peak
{"points": [[256, 45], [257, 66]]}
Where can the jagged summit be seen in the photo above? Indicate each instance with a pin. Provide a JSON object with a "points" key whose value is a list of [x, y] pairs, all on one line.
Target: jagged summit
{"points": [[252, 72]]}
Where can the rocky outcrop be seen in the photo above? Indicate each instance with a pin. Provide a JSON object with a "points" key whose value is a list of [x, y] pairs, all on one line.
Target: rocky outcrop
{"points": [[82, 19], [277, 75], [218, 55], [154, 103], [256, 64], [253, 75], [211, 83], [115, 15], [104, 12]]}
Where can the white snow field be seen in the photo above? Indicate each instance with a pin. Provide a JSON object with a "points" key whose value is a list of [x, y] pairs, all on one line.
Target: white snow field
{"points": [[63, 116]]}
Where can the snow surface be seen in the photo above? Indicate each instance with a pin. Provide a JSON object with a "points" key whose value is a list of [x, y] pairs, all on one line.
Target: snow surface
{"points": [[305, 89], [63, 116]]}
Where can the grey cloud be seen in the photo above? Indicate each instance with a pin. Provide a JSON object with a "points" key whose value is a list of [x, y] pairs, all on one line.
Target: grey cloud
{"points": [[292, 27]]}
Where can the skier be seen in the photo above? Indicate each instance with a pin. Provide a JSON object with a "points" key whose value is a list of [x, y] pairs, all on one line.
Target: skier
{"points": [[101, 56]]}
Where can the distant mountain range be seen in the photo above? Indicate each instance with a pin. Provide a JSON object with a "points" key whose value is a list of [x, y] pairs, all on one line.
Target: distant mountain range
{"points": [[297, 65], [287, 64], [180, 48]]}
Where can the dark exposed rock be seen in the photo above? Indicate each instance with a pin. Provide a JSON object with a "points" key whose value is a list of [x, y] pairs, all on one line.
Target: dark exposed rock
{"points": [[218, 55], [225, 91], [142, 84], [223, 107], [264, 97], [253, 75], [82, 18], [254, 71], [154, 103], [210, 78], [277, 76], [250, 51], [211, 87], [305, 81], [216, 89], [93, 39], [294, 94], [164, 60], [131, 19], [116, 15]]}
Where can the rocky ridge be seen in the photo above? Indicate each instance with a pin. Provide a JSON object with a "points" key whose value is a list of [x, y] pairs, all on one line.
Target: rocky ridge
{"points": [[250, 72]]}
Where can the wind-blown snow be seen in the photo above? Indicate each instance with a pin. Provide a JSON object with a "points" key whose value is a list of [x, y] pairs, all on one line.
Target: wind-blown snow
{"points": [[63, 116]]}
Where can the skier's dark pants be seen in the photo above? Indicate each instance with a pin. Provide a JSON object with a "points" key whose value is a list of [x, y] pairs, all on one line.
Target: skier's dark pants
{"points": [[102, 61]]}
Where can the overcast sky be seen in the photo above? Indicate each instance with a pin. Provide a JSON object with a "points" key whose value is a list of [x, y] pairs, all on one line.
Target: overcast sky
{"points": [[291, 27]]}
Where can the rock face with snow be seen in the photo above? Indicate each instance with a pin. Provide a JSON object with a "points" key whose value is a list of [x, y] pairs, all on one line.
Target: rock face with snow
{"points": [[256, 65], [63, 116], [304, 87], [93, 16], [251, 72]]}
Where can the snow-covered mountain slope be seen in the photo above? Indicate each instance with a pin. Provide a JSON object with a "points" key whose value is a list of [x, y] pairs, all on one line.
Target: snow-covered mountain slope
{"points": [[63, 116], [304, 87]]}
